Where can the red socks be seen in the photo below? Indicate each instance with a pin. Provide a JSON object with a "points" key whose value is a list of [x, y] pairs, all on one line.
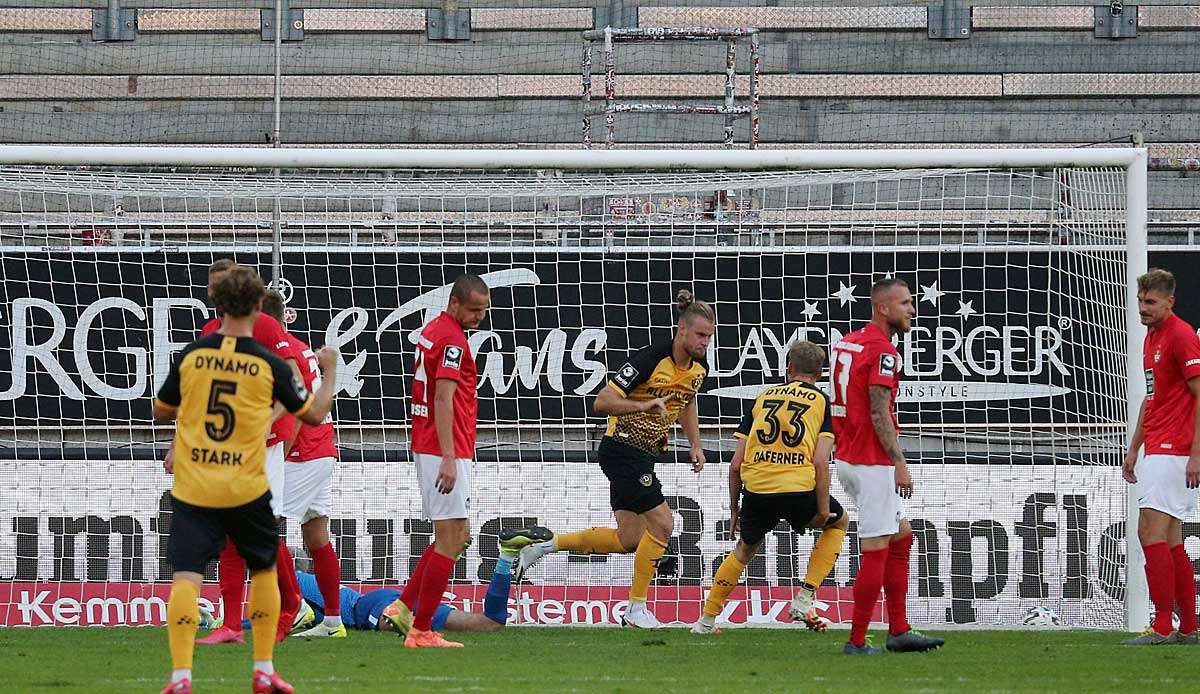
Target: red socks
{"points": [[1160, 579], [885, 568], [231, 576], [289, 587], [895, 585], [434, 579], [1185, 589], [412, 589], [328, 572], [866, 592]]}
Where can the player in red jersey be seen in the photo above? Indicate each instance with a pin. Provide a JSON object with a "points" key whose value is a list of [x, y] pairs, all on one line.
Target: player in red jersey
{"points": [[1168, 475], [231, 568], [865, 375], [308, 488], [444, 412]]}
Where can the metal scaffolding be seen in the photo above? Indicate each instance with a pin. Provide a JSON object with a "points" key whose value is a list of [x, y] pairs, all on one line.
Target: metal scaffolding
{"points": [[728, 108]]}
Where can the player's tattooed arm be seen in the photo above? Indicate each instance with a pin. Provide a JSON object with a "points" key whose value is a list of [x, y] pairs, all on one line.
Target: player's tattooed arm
{"points": [[881, 419], [885, 430]]}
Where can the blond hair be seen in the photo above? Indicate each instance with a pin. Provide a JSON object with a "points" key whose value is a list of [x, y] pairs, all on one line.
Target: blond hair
{"points": [[806, 358], [691, 308]]}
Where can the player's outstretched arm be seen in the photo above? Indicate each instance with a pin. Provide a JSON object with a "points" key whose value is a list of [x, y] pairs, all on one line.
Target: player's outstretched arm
{"points": [[1192, 470], [166, 405], [443, 422], [281, 411], [885, 430], [169, 459], [610, 402], [689, 419], [169, 397], [821, 472], [327, 358], [735, 484], [163, 413], [1135, 444]]}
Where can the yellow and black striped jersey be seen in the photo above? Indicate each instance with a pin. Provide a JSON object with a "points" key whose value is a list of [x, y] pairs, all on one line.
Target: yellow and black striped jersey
{"points": [[781, 430], [651, 373], [223, 389]]}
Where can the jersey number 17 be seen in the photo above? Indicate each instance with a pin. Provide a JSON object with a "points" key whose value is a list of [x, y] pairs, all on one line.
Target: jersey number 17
{"points": [[839, 377]]}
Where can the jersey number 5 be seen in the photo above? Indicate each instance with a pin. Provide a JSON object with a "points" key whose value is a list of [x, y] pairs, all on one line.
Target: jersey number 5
{"points": [[221, 409], [791, 438]]}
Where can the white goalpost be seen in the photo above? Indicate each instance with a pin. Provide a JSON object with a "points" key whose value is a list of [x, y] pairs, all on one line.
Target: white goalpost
{"points": [[1021, 377]]}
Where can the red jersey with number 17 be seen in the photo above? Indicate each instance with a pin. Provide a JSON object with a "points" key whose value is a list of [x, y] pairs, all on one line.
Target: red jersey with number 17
{"points": [[312, 442], [443, 353], [1171, 357], [270, 334], [862, 359]]}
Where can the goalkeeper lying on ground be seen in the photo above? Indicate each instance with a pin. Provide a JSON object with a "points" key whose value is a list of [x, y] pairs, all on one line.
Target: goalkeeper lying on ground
{"points": [[383, 609]]}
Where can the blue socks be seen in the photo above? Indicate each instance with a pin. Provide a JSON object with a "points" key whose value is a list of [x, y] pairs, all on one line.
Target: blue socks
{"points": [[495, 603]]}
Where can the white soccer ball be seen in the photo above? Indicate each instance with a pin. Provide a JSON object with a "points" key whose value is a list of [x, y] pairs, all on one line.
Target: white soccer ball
{"points": [[1040, 617]]}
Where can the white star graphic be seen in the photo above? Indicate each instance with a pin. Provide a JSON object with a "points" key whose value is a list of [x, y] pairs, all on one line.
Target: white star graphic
{"points": [[844, 294], [810, 310], [966, 309], [931, 293]]}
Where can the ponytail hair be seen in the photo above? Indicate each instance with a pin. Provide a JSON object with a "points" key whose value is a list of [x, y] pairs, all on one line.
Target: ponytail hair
{"points": [[691, 308]]}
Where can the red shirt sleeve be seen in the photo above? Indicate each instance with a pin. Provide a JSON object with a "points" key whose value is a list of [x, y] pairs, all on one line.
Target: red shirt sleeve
{"points": [[212, 326], [1187, 354], [270, 334], [446, 360], [885, 367]]}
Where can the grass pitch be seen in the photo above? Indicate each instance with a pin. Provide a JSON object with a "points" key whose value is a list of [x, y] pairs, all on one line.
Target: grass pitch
{"points": [[606, 660]]}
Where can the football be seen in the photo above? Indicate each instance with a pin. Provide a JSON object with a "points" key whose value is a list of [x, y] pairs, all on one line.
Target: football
{"points": [[1040, 617]]}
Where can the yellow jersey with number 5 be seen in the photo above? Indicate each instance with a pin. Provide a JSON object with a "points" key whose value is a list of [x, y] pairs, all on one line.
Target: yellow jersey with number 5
{"points": [[781, 430], [223, 388]]}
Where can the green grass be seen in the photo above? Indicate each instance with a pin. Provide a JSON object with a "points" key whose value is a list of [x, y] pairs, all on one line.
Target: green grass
{"points": [[605, 660]]}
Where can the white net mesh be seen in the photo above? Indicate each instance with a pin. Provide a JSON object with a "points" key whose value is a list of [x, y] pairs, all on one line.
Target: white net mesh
{"points": [[1012, 405]]}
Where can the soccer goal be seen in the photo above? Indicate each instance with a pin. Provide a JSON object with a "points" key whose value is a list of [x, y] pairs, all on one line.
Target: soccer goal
{"points": [[1019, 376]]}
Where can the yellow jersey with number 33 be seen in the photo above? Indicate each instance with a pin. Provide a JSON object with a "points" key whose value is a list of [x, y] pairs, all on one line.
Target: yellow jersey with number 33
{"points": [[223, 389], [781, 430]]}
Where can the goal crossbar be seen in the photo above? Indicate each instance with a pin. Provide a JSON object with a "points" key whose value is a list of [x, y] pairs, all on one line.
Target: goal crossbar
{"points": [[315, 158]]}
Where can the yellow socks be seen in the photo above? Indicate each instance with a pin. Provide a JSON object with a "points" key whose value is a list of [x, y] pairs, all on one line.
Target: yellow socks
{"points": [[590, 541], [183, 618], [724, 582], [824, 555], [264, 612], [645, 563]]}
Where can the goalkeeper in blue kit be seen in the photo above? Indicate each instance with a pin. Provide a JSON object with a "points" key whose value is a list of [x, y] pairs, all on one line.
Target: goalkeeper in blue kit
{"points": [[383, 610]]}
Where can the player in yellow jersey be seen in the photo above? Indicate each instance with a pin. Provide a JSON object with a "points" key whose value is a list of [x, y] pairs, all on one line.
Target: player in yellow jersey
{"points": [[220, 389], [656, 387], [781, 471]]}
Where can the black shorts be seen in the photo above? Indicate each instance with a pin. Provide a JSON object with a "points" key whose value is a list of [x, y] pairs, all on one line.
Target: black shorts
{"points": [[198, 534], [760, 513], [632, 484]]}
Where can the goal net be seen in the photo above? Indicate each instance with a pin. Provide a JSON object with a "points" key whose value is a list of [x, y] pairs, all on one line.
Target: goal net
{"points": [[1013, 405]]}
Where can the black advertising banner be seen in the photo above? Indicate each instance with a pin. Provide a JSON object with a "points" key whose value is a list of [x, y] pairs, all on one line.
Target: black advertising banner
{"points": [[1004, 336]]}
